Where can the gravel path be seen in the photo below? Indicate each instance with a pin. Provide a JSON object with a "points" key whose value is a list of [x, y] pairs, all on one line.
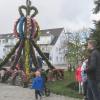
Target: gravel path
{"points": [[8, 92]]}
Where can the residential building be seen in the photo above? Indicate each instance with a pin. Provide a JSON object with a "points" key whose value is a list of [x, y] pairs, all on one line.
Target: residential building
{"points": [[7, 41], [51, 42]]}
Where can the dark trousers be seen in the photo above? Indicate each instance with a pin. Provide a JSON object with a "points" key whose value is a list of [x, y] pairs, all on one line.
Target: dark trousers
{"points": [[85, 85], [37, 93], [93, 91]]}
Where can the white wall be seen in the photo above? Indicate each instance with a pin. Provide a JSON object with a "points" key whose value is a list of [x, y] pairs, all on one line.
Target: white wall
{"points": [[1, 51], [4, 51], [57, 53]]}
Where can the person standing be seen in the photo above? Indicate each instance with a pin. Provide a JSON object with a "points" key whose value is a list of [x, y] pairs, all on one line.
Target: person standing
{"points": [[78, 78], [37, 84], [93, 71], [84, 78]]}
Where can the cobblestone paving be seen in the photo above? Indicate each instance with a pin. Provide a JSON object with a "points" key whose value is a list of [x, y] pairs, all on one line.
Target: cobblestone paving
{"points": [[8, 92]]}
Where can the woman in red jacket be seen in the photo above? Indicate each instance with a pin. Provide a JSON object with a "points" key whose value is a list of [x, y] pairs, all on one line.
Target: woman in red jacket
{"points": [[79, 79]]}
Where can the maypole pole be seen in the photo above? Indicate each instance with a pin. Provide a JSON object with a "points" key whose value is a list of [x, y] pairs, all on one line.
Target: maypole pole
{"points": [[27, 33]]}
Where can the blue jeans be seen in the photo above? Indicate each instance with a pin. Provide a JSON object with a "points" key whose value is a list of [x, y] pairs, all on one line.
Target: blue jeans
{"points": [[93, 91]]}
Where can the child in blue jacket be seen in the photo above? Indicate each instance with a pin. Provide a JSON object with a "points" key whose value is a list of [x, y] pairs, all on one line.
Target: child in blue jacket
{"points": [[37, 84]]}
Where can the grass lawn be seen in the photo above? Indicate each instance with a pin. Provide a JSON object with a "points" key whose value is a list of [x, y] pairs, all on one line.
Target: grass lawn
{"points": [[67, 87]]}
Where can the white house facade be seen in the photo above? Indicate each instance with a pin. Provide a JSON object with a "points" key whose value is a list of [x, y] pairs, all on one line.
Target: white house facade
{"points": [[7, 42], [51, 42]]}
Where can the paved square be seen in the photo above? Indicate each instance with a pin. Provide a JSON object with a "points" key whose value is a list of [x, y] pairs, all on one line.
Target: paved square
{"points": [[8, 92]]}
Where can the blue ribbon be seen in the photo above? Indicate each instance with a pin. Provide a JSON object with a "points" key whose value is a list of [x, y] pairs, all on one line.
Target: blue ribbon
{"points": [[21, 27]]}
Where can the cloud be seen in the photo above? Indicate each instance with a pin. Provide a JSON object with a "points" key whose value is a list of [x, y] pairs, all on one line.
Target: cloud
{"points": [[52, 13], [68, 13]]}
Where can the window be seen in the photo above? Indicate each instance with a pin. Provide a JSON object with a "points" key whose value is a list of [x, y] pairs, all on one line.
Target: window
{"points": [[6, 40], [61, 59], [57, 58], [3, 41], [50, 58], [64, 58], [4, 49]]}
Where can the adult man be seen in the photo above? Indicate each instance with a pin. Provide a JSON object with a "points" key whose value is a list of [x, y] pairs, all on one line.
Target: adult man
{"points": [[93, 71]]}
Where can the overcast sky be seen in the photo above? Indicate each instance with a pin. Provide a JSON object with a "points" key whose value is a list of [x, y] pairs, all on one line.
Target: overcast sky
{"points": [[73, 14]]}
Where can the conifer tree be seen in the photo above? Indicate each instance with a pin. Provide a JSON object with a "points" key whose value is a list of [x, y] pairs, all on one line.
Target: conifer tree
{"points": [[96, 32]]}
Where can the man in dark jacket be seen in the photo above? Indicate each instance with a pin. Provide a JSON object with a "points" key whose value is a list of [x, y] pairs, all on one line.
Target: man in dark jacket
{"points": [[93, 71]]}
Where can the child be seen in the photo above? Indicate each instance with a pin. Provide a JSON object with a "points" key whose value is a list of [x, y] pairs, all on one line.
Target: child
{"points": [[37, 84], [79, 79], [84, 78]]}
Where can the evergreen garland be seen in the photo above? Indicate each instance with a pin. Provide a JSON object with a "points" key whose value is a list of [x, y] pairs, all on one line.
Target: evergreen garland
{"points": [[42, 55], [27, 58], [17, 56], [96, 32]]}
